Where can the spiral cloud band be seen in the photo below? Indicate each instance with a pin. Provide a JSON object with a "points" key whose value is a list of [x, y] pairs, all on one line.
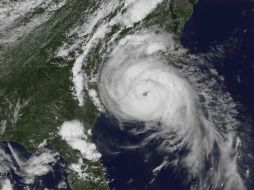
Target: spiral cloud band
{"points": [[138, 85]]}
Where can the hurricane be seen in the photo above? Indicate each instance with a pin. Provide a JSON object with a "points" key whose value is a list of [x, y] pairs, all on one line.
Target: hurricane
{"points": [[140, 83], [130, 94]]}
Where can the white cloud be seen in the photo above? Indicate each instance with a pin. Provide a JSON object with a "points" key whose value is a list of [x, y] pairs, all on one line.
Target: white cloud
{"points": [[73, 133], [2, 126], [39, 165], [139, 10], [6, 185], [95, 99]]}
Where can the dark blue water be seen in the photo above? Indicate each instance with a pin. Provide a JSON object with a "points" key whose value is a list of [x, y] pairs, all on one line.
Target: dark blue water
{"points": [[226, 26], [50, 180], [222, 32], [129, 163]]}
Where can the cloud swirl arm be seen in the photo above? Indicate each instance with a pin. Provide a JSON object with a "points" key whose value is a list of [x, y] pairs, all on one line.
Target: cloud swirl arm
{"points": [[138, 85]]}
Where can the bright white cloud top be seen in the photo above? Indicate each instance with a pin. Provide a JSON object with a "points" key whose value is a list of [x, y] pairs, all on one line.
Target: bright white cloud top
{"points": [[138, 85], [73, 133]]}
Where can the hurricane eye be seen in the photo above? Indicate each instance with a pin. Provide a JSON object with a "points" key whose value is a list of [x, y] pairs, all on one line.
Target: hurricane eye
{"points": [[146, 93]]}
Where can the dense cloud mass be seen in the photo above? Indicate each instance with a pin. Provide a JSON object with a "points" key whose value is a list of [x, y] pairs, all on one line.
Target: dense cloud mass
{"points": [[137, 84]]}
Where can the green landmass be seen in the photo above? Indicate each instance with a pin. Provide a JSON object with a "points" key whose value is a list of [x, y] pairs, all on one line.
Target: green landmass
{"points": [[35, 92]]}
